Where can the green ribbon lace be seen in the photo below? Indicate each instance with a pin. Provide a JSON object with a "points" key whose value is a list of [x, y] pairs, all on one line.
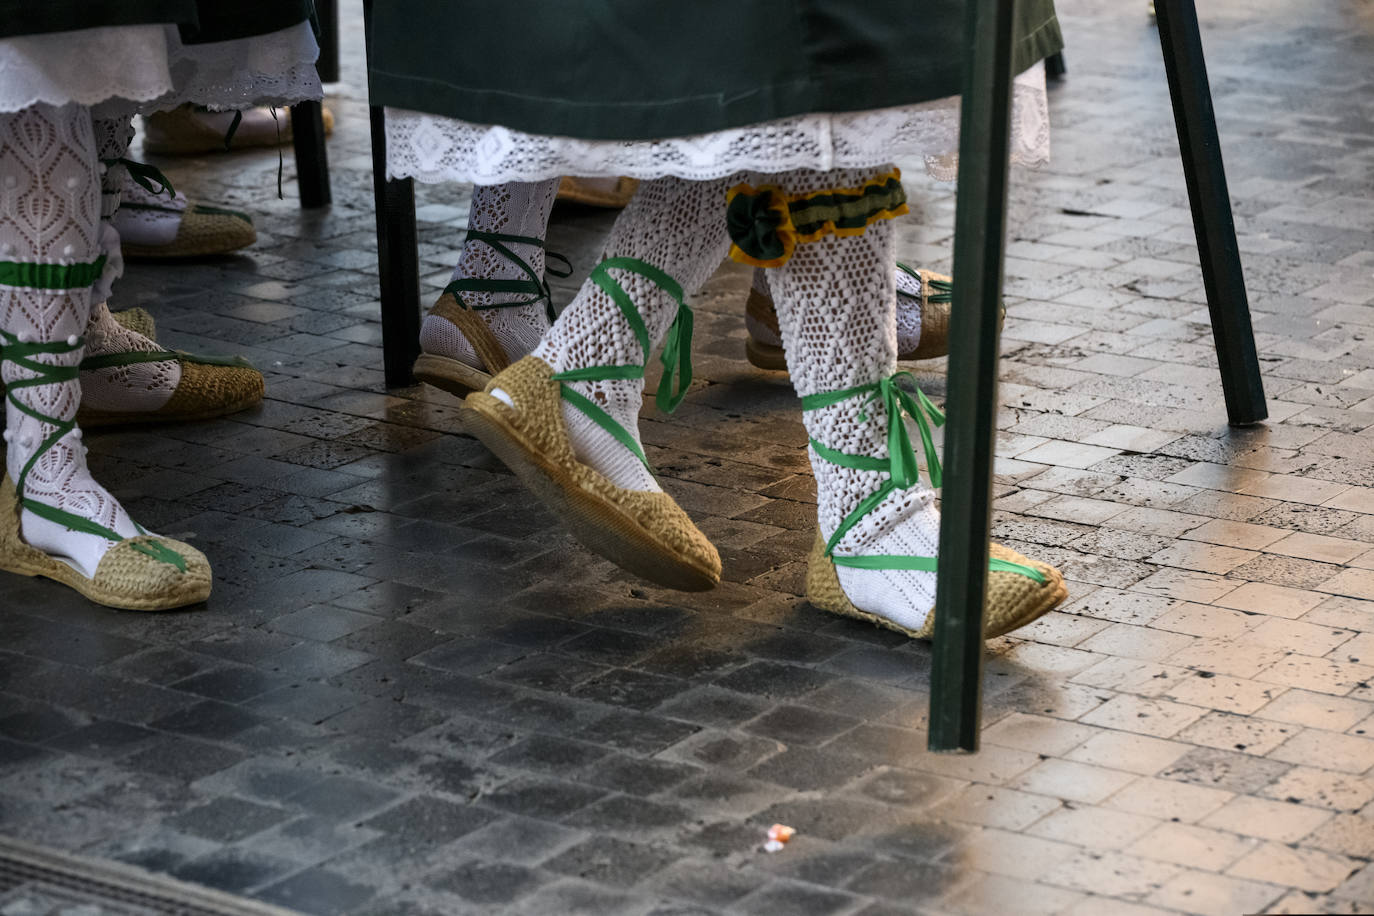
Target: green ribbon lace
{"points": [[943, 290], [901, 465], [676, 355], [22, 354], [149, 177], [534, 285], [51, 276]]}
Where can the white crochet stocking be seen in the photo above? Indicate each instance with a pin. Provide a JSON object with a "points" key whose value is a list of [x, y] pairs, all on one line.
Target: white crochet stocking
{"points": [[835, 302], [112, 138], [136, 387], [50, 214], [517, 208], [141, 386], [677, 226], [908, 311]]}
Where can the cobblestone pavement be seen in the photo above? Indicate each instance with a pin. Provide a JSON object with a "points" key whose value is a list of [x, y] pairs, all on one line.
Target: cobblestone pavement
{"points": [[413, 694]]}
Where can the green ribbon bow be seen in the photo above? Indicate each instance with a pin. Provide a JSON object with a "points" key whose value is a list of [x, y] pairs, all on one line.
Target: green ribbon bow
{"points": [[901, 464], [149, 177]]}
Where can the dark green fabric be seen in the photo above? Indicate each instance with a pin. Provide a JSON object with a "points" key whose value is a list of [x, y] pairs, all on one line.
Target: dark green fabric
{"points": [[199, 20], [641, 69]]}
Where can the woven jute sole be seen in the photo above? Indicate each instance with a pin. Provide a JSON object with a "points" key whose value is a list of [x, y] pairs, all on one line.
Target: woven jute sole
{"points": [[1012, 600], [645, 533], [574, 190], [765, 356], [200, 234], [205, 392], [451, 375], [125, 579]]}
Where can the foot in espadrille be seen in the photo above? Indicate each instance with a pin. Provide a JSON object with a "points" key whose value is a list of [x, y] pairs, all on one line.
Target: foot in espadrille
{"points": [[127, 377], [498, 304], [55, 520], [162, 223], [612, 193], [566, 418], [879, 530], [191, 129], [923, 299]]}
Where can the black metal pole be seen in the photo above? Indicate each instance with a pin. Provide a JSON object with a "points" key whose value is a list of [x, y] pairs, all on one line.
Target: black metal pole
{"points": [[1222, 277], [398, 265], [312, 160], [979, 232]]}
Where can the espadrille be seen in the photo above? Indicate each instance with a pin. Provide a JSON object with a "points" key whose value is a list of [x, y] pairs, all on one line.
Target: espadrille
{"points": [[1019, 590], [612, 193], [190, 130], [763, 347], [143, 573], [519, 416], [453, 375], [208, 386], [199, 230], [138, 320]]}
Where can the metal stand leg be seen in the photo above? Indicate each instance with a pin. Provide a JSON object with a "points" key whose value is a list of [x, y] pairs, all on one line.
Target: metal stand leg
{"points": [[1055, 67], [307, 122], [312, 161], [979, 233], [1211, 203], [397, 255]]}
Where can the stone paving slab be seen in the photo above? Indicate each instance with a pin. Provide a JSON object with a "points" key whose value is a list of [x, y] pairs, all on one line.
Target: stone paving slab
{"points": [[412, 693]]}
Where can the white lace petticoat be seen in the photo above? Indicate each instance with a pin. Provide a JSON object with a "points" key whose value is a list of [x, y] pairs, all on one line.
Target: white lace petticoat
{"points": [[433, 149], [125, 70]]}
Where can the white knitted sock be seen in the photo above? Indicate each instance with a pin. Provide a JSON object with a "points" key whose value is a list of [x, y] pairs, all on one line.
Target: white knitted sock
{"points": [[516, 208], [908, 311], [135, 387], [835, 299], [677, 226], [50, 215]]}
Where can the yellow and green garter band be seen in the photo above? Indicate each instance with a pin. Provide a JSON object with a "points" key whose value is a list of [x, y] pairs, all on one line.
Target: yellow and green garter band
{"points": [[767, 224]]}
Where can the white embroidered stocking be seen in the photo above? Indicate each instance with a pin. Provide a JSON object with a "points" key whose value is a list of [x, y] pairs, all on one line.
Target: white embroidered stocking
{"points": [[677, 226], [140, 386], [50, 216], [908, 311], [517, 208], [835, 300]]}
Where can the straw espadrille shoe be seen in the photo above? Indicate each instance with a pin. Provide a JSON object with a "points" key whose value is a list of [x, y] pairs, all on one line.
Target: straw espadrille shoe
{"points": [[1019, 589], [612, 193], [157, 222], [917, 289], [189, 130], [460, 317], [132, 570], [1015, 596], [127, 378], [519, 416], [144, 573], [138, 320]]}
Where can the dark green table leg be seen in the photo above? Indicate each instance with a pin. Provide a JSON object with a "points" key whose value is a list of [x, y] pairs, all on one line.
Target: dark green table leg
{"points": [[1181, 41], [979, 231], [398, 264]]}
